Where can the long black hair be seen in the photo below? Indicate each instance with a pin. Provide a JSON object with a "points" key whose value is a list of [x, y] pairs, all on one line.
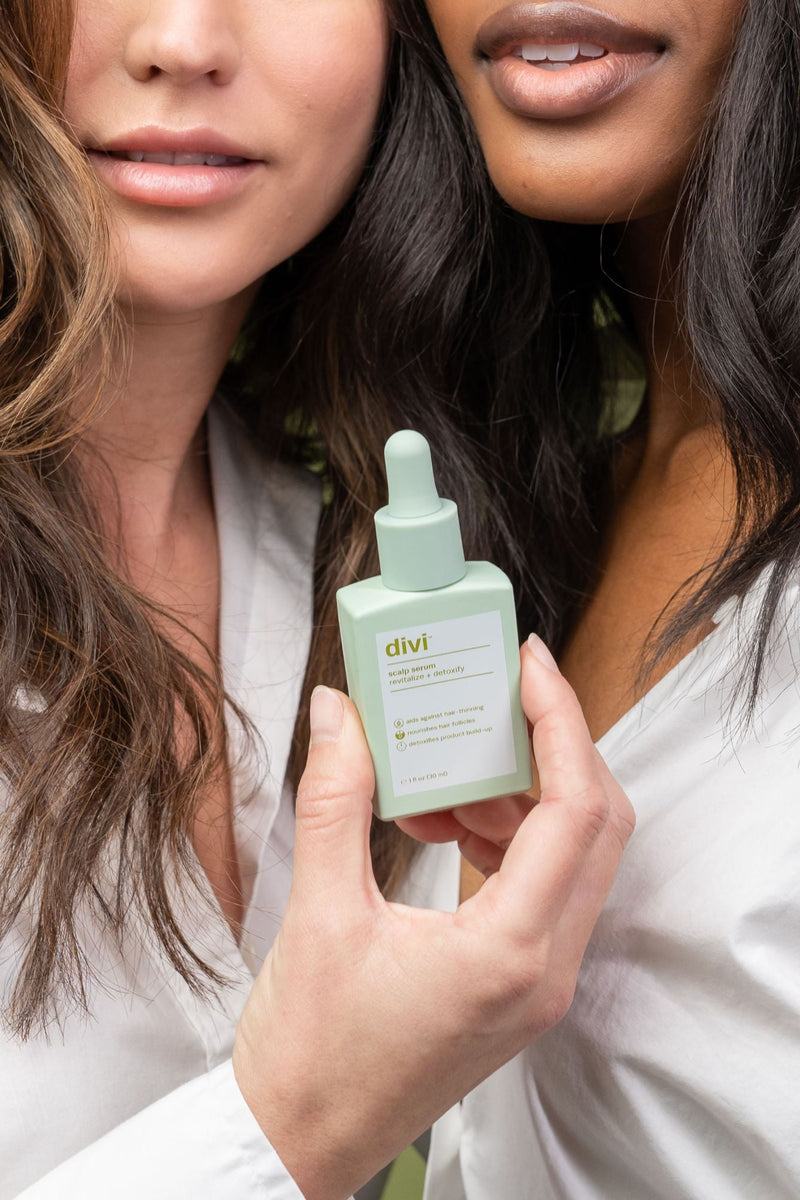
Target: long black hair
{"points": [[554, 319]]}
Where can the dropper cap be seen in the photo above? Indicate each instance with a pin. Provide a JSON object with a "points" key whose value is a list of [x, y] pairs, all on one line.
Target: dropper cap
{"points": [[419, 536]]}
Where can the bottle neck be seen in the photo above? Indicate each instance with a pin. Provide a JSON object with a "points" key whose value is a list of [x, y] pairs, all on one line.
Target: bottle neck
{"points": [[422, 553]]}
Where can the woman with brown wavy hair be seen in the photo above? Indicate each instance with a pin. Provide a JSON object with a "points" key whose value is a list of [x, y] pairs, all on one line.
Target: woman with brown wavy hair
{"points": [[198, 298]]}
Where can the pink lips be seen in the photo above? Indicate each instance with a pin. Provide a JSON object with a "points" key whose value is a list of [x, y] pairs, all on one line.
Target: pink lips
{"points": [[174, 185], [543, 94]]}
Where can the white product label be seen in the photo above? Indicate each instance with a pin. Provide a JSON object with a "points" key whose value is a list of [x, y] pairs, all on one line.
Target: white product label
{"points": [[446, 703]]}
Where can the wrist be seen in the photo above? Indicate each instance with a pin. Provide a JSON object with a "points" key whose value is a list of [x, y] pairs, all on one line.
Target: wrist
{"points": [[303, 1135]]}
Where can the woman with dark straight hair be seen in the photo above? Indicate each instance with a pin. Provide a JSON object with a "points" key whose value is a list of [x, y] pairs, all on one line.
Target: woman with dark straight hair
{"points": [[215, 274], [648, 160]]}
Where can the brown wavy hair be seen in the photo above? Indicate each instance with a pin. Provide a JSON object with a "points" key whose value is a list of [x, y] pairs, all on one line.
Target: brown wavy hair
{"points": [[372, 328]]}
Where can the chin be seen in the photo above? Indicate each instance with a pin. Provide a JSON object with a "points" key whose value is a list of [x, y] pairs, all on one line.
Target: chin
{"points": [[185, 278], [587, 194], [172, 267], [178, 296]]}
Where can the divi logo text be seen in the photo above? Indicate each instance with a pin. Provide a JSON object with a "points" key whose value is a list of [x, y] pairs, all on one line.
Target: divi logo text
{"points": [[407, 645]]}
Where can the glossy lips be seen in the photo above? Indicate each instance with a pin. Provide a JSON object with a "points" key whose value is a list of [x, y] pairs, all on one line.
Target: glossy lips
{"points": [[174, 169], [557, 60]]}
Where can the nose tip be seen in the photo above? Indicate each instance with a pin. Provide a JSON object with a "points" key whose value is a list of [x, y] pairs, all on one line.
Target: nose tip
{"points": [[179, 42], [185, 64]]}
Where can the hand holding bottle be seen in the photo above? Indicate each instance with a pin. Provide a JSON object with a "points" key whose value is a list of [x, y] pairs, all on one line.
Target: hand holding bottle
{"points": [[485, 830], [369, 1019]]}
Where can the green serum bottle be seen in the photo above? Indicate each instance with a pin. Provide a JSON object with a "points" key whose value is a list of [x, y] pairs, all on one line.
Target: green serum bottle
{"points": [[432, 654]]}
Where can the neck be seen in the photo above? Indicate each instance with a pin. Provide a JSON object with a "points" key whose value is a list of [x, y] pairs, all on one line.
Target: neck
{"points": [[678, 405], [148, 432]]}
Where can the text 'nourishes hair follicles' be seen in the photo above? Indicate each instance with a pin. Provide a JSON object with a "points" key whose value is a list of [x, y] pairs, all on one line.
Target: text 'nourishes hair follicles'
{"points": [[432, 654]]}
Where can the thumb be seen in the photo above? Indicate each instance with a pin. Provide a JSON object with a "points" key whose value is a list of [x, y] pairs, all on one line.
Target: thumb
{"points": [[334, 807]]}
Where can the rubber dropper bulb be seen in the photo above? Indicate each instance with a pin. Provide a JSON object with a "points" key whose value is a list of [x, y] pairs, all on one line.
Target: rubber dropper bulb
{"points": [[409, 472]]}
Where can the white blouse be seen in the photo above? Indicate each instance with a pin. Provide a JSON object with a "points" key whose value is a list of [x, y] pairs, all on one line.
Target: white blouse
{"points": [[139, 1098], [675, 1074]]}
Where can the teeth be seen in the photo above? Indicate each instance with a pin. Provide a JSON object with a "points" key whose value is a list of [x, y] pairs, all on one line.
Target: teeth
{"points": [[567, 53], [188, 160], [534, 53], [563, 53], [179, 159], [554, 66]]}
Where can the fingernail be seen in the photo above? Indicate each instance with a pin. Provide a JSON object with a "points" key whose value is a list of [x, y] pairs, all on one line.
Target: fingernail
{"points": [[326, 716], [540, 651]]}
